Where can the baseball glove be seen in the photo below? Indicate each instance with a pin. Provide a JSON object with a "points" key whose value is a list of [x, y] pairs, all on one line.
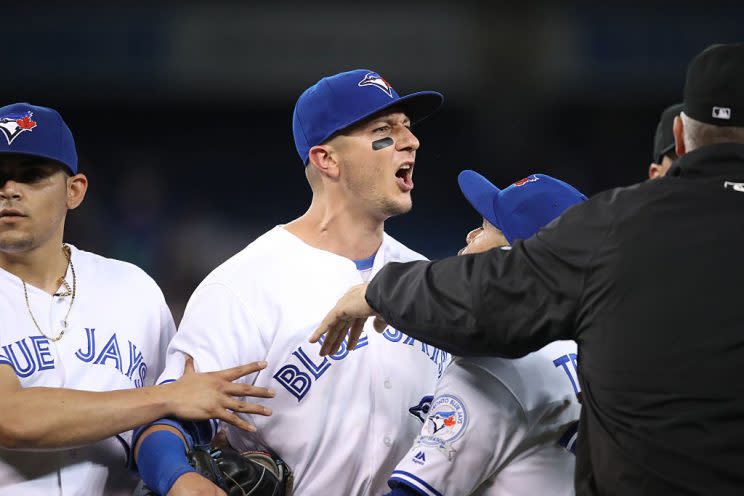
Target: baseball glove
{"points": [[254, 473]]}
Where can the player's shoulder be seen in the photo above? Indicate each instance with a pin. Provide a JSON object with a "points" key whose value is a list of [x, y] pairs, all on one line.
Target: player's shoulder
{"points": [[529, 376], [110, 271], [260, 262], [395, 251], [511, 368]]}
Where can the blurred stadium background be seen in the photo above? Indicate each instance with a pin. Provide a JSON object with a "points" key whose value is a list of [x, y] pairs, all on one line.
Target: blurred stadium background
{"points": [[182, 110]]}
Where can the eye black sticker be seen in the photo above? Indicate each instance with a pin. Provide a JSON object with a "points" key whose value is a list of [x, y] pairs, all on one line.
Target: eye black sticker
{"points": [[382, 143]]}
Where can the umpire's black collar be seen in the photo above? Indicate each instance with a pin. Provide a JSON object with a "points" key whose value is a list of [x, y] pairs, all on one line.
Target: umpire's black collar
{"points": [[711, 161]]}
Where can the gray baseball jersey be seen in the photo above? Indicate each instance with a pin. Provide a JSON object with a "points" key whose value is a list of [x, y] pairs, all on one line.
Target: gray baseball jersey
{"points": [[498, 427]]}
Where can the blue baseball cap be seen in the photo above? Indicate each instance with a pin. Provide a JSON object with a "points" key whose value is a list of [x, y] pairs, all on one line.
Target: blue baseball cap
{"points": [[520, 210], [336, 102], [38, 131]]}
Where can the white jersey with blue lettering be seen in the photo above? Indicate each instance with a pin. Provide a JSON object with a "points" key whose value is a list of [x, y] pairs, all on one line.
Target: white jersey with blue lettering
{"points": [[341, 422], [119, 326], [498, 427]]}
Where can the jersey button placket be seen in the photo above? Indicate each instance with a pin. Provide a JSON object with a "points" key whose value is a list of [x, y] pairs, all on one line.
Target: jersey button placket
{"points": [[388, 384]]}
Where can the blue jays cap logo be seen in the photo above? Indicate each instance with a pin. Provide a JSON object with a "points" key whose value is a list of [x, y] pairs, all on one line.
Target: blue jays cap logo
{"points": [[528, 179], [374, 79], [13, 125]]}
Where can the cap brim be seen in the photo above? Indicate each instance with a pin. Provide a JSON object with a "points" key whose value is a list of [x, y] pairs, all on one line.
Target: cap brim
{"points": [[36, 154], [417, 106], [660, 154], [480, 193]]}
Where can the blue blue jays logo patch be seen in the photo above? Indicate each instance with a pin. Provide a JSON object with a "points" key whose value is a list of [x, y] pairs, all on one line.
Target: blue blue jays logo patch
{"points": [[374, 79], [13, 125], [421, 411]]}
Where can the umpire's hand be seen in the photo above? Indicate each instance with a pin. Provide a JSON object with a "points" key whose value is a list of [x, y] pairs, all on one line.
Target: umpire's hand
{"points": [[349, 314]]}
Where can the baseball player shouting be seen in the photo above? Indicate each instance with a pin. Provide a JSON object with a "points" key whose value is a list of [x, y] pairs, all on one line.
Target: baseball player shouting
{"points": [[341, 422], [498, 426], [82, 337]]}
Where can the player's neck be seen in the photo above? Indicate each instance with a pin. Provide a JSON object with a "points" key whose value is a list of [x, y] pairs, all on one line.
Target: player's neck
{"points": [[340, 229], [40, 267]]}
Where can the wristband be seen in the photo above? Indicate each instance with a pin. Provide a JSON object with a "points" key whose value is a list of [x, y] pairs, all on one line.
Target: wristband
{"points": [[161, 460]]}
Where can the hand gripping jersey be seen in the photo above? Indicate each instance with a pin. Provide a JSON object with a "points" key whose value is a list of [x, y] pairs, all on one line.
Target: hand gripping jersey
{"points": [[498, 427], [341, 422], [119, 327]]}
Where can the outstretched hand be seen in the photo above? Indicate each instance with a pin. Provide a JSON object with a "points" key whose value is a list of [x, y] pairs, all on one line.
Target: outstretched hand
{"points": [[213, 395], [347, 317]]}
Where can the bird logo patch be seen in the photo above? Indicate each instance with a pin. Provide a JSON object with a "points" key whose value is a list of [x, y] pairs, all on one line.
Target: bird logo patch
{"points": [[13, 125], [445, 424], [421, 411], [374, 79]]}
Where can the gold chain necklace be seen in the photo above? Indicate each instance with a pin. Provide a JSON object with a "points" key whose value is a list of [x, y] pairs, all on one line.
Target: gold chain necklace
{"points": [[62, 281]]}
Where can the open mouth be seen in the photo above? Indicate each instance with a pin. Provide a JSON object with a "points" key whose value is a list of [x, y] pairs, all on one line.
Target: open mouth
{"points": [[404, 174]]}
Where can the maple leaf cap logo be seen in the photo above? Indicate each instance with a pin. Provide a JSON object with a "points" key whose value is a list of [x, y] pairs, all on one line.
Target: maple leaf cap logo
{"points": [[26, 123]]}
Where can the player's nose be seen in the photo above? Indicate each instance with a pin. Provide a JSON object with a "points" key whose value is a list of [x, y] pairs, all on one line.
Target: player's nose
{"points": [[9, 189], [406, 140]]}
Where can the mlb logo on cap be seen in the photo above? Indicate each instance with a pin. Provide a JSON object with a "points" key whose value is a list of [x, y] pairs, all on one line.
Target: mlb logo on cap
{"points": [[38, 131], [722, 113]]}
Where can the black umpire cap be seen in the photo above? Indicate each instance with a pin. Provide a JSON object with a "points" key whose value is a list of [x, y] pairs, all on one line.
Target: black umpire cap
{"points": [[714, 88], [664, 138]]}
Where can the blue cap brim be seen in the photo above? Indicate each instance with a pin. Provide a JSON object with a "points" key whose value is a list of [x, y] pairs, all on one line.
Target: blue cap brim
{"points": [[480, 193], [420, 105], [417, 106], [37, 154]]}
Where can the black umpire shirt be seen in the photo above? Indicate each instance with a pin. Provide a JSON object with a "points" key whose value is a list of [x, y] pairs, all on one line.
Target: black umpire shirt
{"points": [[647, 279]]}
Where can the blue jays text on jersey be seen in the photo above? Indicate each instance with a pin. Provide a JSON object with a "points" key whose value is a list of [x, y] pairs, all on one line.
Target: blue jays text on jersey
{"points": [[299, 382], [32, 354], [570, 436], [571, 372]]}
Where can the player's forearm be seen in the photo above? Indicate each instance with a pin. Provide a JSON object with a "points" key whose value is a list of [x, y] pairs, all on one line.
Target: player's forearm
{"points": [[57, 417]]}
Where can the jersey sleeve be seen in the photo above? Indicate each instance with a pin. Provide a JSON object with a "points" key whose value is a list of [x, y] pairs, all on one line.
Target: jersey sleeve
{"points": [[474, 426], [501, 302], [166, 329], [217, 331]]}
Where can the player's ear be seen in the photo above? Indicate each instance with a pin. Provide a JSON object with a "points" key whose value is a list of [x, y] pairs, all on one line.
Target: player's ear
{"points": [[324, 160], [77, 185], [654, 171], [679, 136]]}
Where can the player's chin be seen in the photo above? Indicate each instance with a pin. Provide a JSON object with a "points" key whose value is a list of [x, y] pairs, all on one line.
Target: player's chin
{"points": [[400, 204], [15, 241]]}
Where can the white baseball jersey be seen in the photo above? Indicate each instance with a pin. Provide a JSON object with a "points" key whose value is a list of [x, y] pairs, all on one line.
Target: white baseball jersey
{"points": [[499, 427], [341, 422], [119, 327]]}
